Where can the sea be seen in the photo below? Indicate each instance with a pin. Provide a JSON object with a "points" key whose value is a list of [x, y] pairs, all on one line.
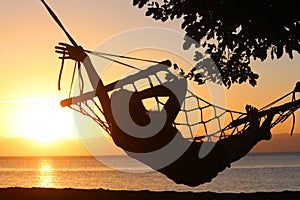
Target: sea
{"points": [[257, 172]]}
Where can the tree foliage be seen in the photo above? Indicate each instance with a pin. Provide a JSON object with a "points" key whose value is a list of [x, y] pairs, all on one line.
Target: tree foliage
{"points": [[233, 31]]}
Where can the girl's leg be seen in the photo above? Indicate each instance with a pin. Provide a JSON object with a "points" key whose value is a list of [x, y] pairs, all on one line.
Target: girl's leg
{"points": [[237, 146]]}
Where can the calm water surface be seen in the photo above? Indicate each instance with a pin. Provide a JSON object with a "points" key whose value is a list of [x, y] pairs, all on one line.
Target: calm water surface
{"points": [[256, 172]]}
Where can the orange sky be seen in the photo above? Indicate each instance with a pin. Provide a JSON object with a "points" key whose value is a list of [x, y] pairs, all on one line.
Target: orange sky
{"points": [[29, 67]]}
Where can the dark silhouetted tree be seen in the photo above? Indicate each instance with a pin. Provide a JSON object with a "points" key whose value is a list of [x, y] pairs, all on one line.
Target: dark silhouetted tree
{"points": [[234, 31]]}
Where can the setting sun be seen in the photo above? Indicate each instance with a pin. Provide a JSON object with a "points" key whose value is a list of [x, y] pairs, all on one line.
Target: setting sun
{"points": [[45, 121]]}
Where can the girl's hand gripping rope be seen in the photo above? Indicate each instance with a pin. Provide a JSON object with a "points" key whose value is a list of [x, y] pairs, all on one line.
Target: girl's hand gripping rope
{"points": [[70, 52]]}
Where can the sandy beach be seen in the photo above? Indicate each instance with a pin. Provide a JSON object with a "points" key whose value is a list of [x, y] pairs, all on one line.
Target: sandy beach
{"points": [[78, 194]]}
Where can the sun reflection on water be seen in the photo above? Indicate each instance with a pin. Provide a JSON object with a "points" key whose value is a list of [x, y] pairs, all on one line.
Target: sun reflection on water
{"points": [[46, 174]]}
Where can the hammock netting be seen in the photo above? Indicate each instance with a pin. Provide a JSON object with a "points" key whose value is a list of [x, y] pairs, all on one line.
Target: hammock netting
{"points": [[198, 119]]}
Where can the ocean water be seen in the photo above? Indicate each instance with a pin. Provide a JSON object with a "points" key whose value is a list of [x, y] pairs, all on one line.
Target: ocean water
{"points": [[255, 172]]}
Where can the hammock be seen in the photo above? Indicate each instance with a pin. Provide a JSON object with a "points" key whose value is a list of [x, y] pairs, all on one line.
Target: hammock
{"points": [[88, 104]]}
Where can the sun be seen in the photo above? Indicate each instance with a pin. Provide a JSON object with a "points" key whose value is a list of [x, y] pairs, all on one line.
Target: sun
{"points": [[45, 121]]}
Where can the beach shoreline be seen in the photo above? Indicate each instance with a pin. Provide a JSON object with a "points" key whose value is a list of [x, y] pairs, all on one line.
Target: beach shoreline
{"points": [[84, 194]]}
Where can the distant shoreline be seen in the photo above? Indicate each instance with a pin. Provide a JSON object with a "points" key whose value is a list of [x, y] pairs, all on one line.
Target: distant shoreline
{"points": [[91, 156], [67, 148], [81, 194]]}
